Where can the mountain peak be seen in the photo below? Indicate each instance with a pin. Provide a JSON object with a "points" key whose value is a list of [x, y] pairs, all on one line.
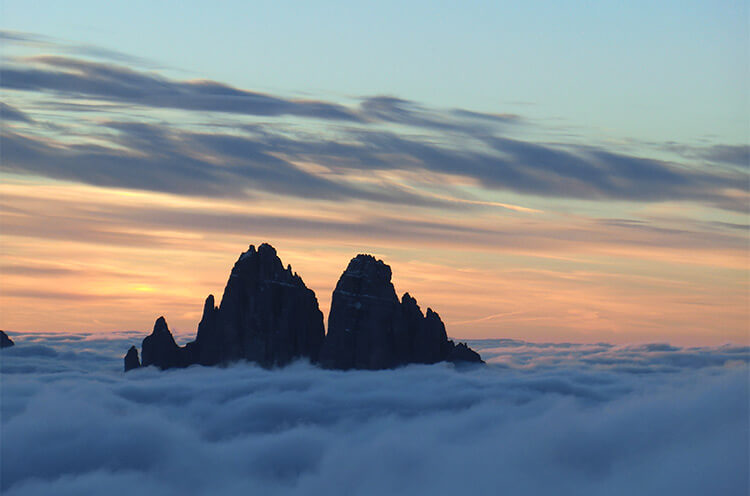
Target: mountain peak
{"points": [[267, 315]]}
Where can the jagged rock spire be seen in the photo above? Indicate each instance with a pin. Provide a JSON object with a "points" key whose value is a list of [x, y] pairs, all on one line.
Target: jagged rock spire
{"points": [[267, 315], [369, 328], [131, 359], [160, 349]]}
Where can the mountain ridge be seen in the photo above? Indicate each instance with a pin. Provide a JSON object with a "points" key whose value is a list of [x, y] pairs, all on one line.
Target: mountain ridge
{"points": [[267, 315]]}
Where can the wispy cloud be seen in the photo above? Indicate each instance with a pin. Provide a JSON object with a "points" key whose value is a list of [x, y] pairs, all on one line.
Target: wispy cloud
{"points": [[382, 133], [85, 79], [164, 158], [9, 113], [738, 155], [544, 275], [150, 158], [46, 43]]}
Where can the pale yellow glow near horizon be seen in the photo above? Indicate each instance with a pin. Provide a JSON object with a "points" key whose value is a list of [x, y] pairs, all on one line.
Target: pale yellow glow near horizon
{"points": [[80, 258]]}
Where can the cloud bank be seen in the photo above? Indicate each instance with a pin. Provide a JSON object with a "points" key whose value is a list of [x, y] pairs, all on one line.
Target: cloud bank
{"points": [[381, 135], [540, 419], [86, 79]]}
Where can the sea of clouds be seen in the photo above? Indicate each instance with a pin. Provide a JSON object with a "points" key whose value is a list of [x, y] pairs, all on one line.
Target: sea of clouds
{"points": [[562, 419]]}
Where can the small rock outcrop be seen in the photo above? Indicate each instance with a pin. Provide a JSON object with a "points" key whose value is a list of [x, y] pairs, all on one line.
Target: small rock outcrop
{"points": [[268, 316], [462, 353], [5, 341], [369, 328], [160, 349], [131, 359]]}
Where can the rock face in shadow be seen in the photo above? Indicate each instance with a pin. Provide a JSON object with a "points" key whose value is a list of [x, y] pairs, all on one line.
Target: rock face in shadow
{"points": [[361, 322], [210, 349], [369, 328], [160, 349], [462, 353], [131, 359], [268, 316], [5, 341]]}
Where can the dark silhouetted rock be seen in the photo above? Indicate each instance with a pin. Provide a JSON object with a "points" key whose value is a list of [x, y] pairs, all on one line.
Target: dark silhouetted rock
{"points": [[131, 359], [368, 328], [160, 349], [5, 341], [267, 315], [462, 353], [361, 324], [209, 349]]}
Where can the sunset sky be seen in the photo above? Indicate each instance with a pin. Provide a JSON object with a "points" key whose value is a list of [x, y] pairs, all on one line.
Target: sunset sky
{"points": [[530, 170]]}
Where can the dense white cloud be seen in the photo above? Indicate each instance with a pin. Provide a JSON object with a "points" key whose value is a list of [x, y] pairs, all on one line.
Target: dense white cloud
{"points": [[539, 419]]}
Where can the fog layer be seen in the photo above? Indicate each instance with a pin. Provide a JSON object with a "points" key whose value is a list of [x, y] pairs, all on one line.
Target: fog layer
{"points": [[539, 419]]}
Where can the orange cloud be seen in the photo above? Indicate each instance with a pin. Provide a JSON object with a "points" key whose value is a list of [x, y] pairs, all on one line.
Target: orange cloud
{"points": [[86, 259]]}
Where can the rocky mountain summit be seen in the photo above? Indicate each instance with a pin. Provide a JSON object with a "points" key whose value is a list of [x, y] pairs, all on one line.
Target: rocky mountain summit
{"points": [[267, 315], [369, 328]]}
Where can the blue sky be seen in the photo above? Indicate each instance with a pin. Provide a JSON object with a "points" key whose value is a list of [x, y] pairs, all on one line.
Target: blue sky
{"points": [[666, 71]]}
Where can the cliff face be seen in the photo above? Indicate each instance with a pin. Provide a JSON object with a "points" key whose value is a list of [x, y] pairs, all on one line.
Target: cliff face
{"points": [[267, 315], [369, 328], [159, 348], [361, 321]]}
